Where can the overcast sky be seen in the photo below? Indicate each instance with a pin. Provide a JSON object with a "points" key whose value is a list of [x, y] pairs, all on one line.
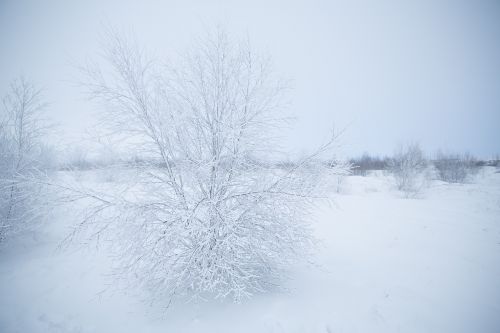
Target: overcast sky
{"points": [[391, 71]]}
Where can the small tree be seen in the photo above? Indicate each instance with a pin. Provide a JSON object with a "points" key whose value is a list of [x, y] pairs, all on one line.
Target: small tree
{"points": [[208, 215], [455, 168], [22, 128], [407, 166]]}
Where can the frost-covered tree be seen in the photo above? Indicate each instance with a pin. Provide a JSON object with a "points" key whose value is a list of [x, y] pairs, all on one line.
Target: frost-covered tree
{"points": [[22, 155], [408, 166], [455, 168], [208, 215]]}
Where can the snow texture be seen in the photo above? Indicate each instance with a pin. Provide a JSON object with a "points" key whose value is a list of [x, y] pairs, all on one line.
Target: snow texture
{"points": [[385, 264]]}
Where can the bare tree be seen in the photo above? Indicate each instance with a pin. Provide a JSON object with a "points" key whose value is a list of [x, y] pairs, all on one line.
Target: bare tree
{"points": [[22, 128], [408, 166], [455, 168], [207, 215]]}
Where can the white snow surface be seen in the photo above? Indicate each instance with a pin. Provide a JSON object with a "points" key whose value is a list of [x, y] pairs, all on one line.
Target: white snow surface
{"points": [[385, 264]]}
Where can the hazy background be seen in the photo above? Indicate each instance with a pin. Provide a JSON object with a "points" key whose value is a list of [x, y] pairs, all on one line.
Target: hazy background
{"points": [[392, 71]]}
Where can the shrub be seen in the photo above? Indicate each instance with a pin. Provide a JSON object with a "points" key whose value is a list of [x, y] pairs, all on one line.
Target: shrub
{"points": [[362, 165], [408, 166], [455, 168]]}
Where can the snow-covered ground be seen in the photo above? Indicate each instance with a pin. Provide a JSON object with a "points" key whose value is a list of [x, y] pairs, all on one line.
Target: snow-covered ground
{"points": [[385, 264]]}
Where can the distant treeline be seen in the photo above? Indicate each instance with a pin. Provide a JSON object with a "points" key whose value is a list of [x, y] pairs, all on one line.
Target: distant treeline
{"points": [[448, 166]]}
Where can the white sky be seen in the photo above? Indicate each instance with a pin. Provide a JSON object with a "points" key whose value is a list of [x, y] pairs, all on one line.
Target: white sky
{"points": [[394, 71]]}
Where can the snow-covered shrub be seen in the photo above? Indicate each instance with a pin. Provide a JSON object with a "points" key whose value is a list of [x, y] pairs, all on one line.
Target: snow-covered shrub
{"points": [[22, 155], [207, 216], [455, 168], [408, 166]]}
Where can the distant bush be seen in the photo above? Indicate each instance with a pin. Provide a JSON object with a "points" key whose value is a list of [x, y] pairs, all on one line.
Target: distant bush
{"points": [[408, 166], [456, 168], [362, 165], [83, 159], [77, 159], [495, 161]]}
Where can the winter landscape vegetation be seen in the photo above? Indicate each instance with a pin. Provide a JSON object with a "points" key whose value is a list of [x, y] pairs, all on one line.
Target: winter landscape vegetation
{"points": [[189, 196]]}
